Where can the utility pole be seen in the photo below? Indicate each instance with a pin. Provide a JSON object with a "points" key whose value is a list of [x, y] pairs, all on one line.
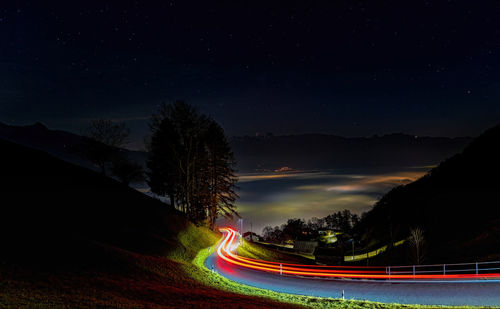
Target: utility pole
{"points": [[240, 221], [251, 232]]}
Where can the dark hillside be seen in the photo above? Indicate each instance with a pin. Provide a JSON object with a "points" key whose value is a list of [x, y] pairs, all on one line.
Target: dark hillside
{"points": [[61, 144], [47, 202], [457, 205], [71, 238]]}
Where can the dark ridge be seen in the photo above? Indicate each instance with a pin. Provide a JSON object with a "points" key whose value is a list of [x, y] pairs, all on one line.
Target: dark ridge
{"points": [[321, 151], [267, 153], [456, 203], [61, 144]]}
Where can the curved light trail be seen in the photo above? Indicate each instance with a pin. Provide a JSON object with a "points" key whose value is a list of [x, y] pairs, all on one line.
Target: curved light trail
{"points": [[228, 245]]}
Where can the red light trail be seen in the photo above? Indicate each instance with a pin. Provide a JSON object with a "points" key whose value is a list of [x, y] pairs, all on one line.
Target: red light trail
{"points": [[228, 245]]}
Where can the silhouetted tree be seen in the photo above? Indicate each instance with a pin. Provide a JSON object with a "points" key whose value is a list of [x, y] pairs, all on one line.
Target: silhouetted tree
{"points": [[164, 176], [191, 162], [273, 234], [343, 220], [417, 242], [267, 233], [127, 171], [219, 173], [293, 228], [104, 139], [354, 220]]}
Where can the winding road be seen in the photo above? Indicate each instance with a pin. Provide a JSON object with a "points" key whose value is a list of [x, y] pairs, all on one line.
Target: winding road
{"points": [[367, 284]]}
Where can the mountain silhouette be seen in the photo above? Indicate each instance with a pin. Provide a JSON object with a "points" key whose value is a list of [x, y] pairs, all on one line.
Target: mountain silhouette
{"points": [[456, 204], [321, 151], [61, 144], [269, 153]]}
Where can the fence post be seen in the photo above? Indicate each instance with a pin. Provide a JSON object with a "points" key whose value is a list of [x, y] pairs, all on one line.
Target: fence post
{"points": [[477, 269], [444, 269], [389, 271], [281, 269], [413, 270]]}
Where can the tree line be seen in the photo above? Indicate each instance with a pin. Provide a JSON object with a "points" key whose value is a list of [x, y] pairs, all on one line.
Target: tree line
{"points": [[343, 221], [189, 160]]}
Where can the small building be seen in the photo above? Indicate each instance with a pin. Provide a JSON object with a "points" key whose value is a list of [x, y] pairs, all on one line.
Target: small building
{"points": [[250, 236]]}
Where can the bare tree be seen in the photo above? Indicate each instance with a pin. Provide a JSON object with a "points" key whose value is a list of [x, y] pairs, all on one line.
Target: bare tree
{"points": [[104, 139], [108, 132], [417, 243]]}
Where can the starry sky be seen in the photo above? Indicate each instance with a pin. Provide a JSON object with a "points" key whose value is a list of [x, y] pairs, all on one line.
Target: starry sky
{"points": [[351, 68]]}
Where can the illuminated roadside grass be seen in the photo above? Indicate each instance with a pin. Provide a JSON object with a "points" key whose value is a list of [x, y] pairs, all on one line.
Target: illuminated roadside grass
{"points": [[190, 241], [205, 276]]}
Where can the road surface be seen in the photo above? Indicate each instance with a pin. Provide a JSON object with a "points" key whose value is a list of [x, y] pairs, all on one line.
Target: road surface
{"points": [[475, 293]]}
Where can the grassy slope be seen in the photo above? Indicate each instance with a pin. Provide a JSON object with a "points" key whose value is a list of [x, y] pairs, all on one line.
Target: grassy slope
{"points": [[125, 279], [71, 238]]}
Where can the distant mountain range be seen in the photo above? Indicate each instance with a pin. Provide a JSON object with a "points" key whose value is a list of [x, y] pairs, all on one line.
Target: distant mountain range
{"points": [[269, 153], [61, 144], [319, 151]]}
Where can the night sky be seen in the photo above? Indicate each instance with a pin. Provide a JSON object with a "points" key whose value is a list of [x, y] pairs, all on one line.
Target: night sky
{"points": [[351, 68]]}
